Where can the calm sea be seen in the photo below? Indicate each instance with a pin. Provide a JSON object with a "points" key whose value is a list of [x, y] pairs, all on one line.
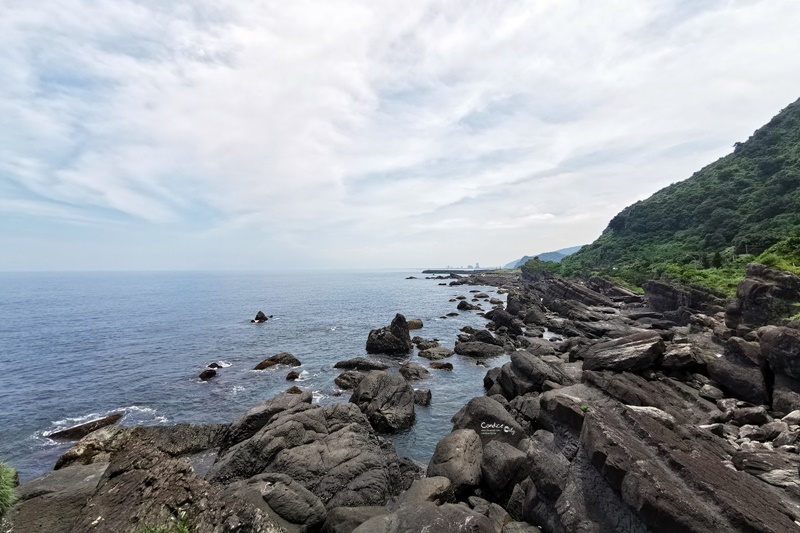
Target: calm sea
{"points": [[75, 346]]}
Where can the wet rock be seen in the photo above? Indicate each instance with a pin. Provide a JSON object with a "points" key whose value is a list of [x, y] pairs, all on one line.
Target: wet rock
{"points": [[81, 430], [293, 375], [424, 344], [387, 401], [464, 306], [349, 379], [294, 390], [633, 352], [422, 397], [393, 339], [458, 457], [415, 323], [260, 318], [414, 371], [437, 365], [283, 358], [478, 349], [361, 363]]}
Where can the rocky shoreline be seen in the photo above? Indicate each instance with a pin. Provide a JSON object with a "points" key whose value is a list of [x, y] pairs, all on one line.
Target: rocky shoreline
{"points": [[669, 411]]}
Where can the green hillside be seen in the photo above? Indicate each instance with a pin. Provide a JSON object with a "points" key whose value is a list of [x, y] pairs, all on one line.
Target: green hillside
{"points": [[707, 227]]}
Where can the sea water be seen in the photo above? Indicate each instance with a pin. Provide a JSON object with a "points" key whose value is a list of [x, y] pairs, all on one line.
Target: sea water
{"points": [[77, 346]]}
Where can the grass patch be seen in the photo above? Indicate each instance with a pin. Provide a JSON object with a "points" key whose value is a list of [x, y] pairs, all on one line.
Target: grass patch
{"points": [[7, 494]]}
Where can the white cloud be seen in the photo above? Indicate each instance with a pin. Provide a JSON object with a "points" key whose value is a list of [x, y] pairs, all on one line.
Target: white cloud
{"points": [[353, 132]]}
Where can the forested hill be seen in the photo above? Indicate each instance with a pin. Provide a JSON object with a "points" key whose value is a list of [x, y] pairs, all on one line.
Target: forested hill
{"points": [[741, 204]]}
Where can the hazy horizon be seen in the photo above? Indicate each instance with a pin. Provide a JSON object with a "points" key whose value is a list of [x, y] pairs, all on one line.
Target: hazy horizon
{"points": [[143, 136]]}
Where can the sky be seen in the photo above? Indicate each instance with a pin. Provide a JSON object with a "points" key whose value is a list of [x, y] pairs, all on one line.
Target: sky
{"points": [[152, 135]]}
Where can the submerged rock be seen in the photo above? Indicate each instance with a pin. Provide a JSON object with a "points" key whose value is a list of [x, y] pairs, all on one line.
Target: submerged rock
{"points": [[81, 430], [283, 358]]}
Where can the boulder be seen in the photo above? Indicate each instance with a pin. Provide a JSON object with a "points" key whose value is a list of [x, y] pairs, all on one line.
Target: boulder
{"points": [[424, 344], [260, 318], [633, 352], [490, 420], [762, 297], [484, 335], [415, 323], [785, 394], [502, 467], [436, 353], [437, 489], [781, 347], [422, 397], [262, 414], [414, 371], [347, 519], [503, 318], [738, 374], [81, 430], [438, 365], [349, 379], [393, 339], [526, 373], [293, 375], [361, 363], [429, 518], [283, 358], [464, 306], [684, 357], [458, 458], [479, 349], [387, 401]]}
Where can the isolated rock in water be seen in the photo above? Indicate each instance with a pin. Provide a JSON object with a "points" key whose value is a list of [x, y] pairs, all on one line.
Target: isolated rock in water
{"points": [[478, 349], [633, 352], [438, 365], [293, 375], [283, 358], [422, 397], [424, 344], [429, 518], [458, 458], [214, 365], [781, 347], [414, 371], [80, 431], [207, 374], [294, 390], [464, 306], [349, 379], [415, 323], [361, 363], [436, 353], [387, 400], [394, 339], [260, 318]]}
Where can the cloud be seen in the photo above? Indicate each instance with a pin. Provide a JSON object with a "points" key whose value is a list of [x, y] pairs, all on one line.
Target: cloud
{"points": [[352, 132]]}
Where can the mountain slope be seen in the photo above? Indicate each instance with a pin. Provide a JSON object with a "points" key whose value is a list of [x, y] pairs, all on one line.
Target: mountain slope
{"points": [[554, 257], [741, 204]]}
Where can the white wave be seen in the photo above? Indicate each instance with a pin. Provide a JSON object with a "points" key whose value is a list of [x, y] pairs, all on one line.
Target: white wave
{"points": [[237, 389], [223, 364], [317, 396], [304, 375]]}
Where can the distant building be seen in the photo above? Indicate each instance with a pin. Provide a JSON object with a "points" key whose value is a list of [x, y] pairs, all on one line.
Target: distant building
{"points": [[477, 266], [470, 267]]}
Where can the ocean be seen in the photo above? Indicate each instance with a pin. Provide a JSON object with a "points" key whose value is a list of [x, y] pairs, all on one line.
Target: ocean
{"points": [[76, 346]]}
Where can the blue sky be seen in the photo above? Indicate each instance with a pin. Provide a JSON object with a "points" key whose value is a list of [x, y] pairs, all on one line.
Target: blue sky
{"points": [[258, 134]]}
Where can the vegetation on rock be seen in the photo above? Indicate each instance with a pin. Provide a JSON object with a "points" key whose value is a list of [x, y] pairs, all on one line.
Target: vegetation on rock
{"points": [[7, 493]]}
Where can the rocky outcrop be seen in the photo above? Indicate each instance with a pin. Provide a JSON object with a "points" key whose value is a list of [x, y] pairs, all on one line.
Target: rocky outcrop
{"points": [[207, 374], [765, 296], [436, 353], [424, 517], [361, 363], [414, 371], [458, 458], [387, 401], [739, 373], [262, 414], [283, 358], [633, 352], [349, 379], [667, 295], [393, 339], [490, 420], [478, 349], [81, 430]]}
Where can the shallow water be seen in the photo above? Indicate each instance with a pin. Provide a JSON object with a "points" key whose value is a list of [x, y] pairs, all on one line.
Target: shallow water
{"points": [[75, 346]]}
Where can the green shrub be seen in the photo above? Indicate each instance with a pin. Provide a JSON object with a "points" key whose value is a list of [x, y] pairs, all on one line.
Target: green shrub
{"points": [[7, 493], [181, 524]]}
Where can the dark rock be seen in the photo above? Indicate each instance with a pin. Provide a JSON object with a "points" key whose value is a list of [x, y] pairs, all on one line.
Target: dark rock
{"points": [[262, 414], [609, 288], [665, 295], [436, 490], [361, 363], [464, 306], [414, 371], [424, 344], [293, 375], [502, 467], [633, 352], [415, 323], [781, 347], [347, 519], [214, 365], [207, 374], [436, 353], [437, 365], [478, 349], [422, 397], [489, 419], [685, 357], [526, 373], [503, 318], [394, 339], [738, 374], [785, 394], [751, 415], [484, 335], [81, 430], [458, 457], [387, 401], [349, 379], [283, 358], [762, 297], [294, 390], [260, 318], [429, 518]]}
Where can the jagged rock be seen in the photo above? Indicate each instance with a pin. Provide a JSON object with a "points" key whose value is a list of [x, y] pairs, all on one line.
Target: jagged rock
{"points": [[349, 379], [436, 353], [331, 451], [414, 371], [387, 401], [785, 393], [361, 363], [415, 323], [81, 430], [665, 295], [609, 288], [207, 374], [478, 349], [428, 517], [437, 489], [458, 458], [422, 397], [489, 419], [520, 527], [464, 306], [262, 414], [394, 339], [633, 352], [762, 297], [347, 519], [710, 392], [283, 358], [756, 415], [526, 373], [736, 372], [424, 344], [437, 365], [484, 335], [684, 357], [293, 375], [503, 318], [781, 347], [561, 289], [260, 318], [298, 508]]}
